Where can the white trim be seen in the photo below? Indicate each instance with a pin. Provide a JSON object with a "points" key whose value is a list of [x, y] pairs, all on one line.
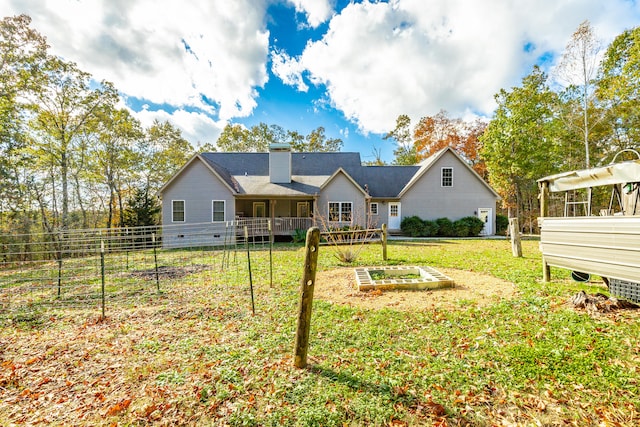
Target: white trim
{"points": [[184, 210], [397, 219], [340, 210], [442, 177], [342, 171], [487, 230], [224, 211], [377, 212], [186, 165], [426, 165]]}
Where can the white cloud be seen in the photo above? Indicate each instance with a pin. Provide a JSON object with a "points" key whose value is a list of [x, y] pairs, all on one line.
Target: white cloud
{"points": [[197, 128], [379, 60], [163, 51], [317, 11], [288, 69]]}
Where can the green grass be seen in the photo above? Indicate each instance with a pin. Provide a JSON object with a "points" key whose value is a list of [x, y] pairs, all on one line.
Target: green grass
{"points": [[195, 354]]}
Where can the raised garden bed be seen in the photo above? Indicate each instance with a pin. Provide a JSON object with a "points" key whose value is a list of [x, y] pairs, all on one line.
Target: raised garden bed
{"points": [[401, 278]]}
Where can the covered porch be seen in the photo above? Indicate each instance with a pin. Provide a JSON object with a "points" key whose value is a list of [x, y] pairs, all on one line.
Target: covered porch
{"points": [[287, 215]]}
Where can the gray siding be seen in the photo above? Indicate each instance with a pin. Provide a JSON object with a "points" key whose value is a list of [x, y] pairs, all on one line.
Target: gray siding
{"points": [[341, 189], [428, 199], [198, 187], [383, 214]]}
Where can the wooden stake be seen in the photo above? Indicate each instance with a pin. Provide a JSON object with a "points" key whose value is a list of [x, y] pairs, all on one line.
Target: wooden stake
{"points": [[384, 242], [514, 229], [306, 297]]}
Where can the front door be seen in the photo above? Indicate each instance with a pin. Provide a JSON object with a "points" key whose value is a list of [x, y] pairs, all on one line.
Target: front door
{"points": [[259, 210], [394, 216], [303, 210], [486, 215]]}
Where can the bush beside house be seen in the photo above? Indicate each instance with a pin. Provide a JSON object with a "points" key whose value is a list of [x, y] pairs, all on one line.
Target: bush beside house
{"points": [[469, 226], [502, 224]]}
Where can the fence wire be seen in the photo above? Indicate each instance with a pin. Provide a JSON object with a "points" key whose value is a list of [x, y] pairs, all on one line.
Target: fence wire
{"points": [[97, 269]]}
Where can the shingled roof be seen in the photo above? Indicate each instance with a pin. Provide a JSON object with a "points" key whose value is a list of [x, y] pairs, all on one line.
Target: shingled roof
{"points": [[248, 173]]}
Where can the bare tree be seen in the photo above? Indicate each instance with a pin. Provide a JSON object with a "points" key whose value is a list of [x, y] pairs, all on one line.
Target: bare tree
{"points": [[577, 68]]}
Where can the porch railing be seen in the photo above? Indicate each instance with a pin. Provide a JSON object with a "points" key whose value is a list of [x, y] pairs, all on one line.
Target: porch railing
{"points": [[287, 225]]}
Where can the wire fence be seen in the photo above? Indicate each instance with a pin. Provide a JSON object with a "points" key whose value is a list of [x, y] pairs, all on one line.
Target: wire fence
{"points": [[93, 269]]}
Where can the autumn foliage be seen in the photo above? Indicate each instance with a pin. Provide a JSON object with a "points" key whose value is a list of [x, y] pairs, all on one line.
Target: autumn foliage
{"points": [[433, 133]]}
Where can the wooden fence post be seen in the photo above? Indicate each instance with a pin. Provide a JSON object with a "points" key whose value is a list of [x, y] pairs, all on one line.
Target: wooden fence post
{"points": [[514, 229], [544, 212], [306, 297], [384, 242]]}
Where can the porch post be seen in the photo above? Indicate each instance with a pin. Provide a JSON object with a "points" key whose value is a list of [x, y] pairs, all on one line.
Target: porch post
{"points": [[315, 210], [272, 213]]}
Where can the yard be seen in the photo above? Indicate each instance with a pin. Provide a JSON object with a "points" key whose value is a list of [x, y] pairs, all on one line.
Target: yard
{"points": [[501, 348]]}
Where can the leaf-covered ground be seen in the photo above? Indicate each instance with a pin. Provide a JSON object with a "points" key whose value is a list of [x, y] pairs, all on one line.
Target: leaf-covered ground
{"points": [[195, 355]]}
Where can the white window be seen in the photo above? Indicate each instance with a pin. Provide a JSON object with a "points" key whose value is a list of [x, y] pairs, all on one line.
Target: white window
{"points": [[177, 210], [373, 209], [447, 177], [340, 211], [217, 210]]}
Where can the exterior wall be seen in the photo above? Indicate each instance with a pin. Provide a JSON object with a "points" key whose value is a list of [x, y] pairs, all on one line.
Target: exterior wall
{"points": [[608, 246], [383, 214], [428, 199], [341, 189], [198, 187], [280, 166]]}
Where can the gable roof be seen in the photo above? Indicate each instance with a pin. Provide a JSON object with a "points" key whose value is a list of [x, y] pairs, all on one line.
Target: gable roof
{"points": [[341, 171], [427, 163], [247, 174], [220, 173]]}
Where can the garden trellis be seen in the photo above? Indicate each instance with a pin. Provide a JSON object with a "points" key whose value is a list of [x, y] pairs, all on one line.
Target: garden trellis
{"points": [[90, 269]]}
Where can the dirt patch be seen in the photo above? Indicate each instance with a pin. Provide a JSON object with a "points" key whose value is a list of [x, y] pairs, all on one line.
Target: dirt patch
{"points": [[471, 289]]}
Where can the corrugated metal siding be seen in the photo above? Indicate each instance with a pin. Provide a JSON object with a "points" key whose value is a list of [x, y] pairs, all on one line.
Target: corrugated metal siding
{"points": [[605, 246]]}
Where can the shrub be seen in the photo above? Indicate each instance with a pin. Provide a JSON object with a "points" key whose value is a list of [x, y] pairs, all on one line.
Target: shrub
{"points": [[299, 235], [412, 226], [445, 227], [430, 228], [474, 224], [460, 228], [502, 223]]}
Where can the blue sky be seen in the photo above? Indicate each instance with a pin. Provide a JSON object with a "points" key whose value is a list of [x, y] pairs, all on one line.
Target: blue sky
{"points": [[349, 66]]}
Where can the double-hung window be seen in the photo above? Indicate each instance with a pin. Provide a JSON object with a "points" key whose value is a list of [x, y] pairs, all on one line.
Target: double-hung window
{"points": [[217, 210], [177, 210], [340, 211], [447, 177], [373, 208]]}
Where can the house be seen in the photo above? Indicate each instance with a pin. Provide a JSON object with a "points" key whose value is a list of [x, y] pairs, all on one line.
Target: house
{"points": [[296, 189]]}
